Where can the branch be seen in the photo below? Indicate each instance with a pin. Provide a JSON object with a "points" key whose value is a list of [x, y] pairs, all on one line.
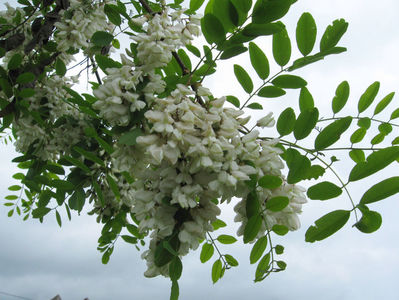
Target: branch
{"points": [[146, 6], [95, 70]]}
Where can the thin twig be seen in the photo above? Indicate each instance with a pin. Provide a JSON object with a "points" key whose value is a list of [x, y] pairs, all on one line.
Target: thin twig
{"points": [[95, 70]]}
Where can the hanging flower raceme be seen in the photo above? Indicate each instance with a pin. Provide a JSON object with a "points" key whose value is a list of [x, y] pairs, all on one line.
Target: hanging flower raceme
{"points": [[78, 24], [194, 154]]}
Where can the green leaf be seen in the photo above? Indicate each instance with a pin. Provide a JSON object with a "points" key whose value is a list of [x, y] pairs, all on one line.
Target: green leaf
{"points": [[175, 268], [68, 212], [357, 155], [252, 206], [332, 133], [227, 14], [281, 264], [375, 162], [258, 249], [327, 225], [14, 187], [305, 123], [277, 203], [271, 92], [358, 135], [105, 62], [243, 78], [306, 31], [216, 270], [76, 163], [194, 50], [280, 229], [233, 51], [252, 228], [255, 30], [55, 168], [106, 256], [371, 221], [231, 260], [262, 267], [383, 103], [107, 147], [368, 96], [395, 114], [298, 165], [233, 100], [226, 239], [381, 190], [323, 191], [25, 78], [306, 101], [212, 29], [314, 172], [161, 255], [385, 128], [206, 252], [167, 245], [377, 139], [174, 291], [279, 249], [62, 185], [112, 12], [40, 212], [60, 67], [184, 58], [341, 97], [129, 138], [44, 198], [58, 218], [255, 106], [218, 224], [129, 239], [243, 7], [114, 186], [89, 155], [364, 123], [75, 95], [15, 62], [196, 4], [102, 38], [289, 82], [333, 34], [270, 182], [286, 122], [77, 200], [266, 11], [281, 47], [7, 89], [259, 61]]}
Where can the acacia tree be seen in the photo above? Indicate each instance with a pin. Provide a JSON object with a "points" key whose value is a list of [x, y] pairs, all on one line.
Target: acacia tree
{"points": [[149, 148]]}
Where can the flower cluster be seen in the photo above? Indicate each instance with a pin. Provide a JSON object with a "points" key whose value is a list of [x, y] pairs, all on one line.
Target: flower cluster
{"points": [[194, 154], [119, 95], [78, 24]]}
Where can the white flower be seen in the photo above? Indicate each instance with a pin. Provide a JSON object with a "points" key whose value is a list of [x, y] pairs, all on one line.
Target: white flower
{"points": [[267, 121]]}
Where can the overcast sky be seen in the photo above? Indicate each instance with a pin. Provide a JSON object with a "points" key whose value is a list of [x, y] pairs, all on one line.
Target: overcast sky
{"points": [[38, 261]]}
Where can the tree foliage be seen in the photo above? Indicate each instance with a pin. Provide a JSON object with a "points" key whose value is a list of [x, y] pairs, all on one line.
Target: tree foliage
{"points": [[152, 153]]}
